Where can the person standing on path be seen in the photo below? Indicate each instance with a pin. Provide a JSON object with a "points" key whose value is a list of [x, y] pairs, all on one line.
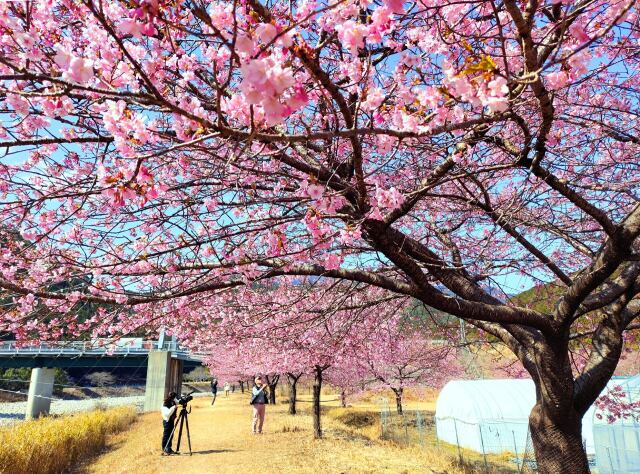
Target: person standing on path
{"points": [[214, 389], [227, 387], [168, 420], [259, 399]]}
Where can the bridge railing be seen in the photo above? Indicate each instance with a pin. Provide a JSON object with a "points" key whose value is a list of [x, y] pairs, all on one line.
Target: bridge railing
{"points": [[66, 347], [88, 348]]}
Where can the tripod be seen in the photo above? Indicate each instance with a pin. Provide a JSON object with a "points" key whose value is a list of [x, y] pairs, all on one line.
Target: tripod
{"points": [[182, 420]]}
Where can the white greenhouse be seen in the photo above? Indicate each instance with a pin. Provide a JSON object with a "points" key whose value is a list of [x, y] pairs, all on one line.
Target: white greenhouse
{"points": [[617, 444], [488, 416], [492, 416]]}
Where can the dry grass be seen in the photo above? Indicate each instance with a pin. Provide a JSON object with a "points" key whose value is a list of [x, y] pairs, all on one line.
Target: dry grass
{"points": [[413, 399], [52, 445], [363, 421], [222, 442]]}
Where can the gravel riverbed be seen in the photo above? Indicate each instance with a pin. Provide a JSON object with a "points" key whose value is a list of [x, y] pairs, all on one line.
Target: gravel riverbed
{"points": [[13, 412]]}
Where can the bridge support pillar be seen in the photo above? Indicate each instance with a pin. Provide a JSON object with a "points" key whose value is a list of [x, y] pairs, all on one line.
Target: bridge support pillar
{"points": [[164, 375], [40, 391]]}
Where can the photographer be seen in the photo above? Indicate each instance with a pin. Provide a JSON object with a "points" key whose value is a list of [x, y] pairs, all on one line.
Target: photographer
{"points": [[168, 420], [259, 399]]}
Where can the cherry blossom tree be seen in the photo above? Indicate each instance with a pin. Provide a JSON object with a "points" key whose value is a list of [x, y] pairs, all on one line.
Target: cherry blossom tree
{"points": [[165, 151], [397, 357], [296, 330], [618, 404], [250, 340]]}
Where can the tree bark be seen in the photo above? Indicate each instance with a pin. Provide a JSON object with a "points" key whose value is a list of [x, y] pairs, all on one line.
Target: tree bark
{"points": [[343, 398], [241, 385], [272, 383], [555, 423], [557, 442], [292, 381], [398, 392], [317, 387]]}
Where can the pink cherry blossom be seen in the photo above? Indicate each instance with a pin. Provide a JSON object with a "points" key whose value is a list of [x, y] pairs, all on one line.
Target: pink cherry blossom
{"points": [[332, 262], [396, 6], [380, 24], [352, 35], [264, 82], [498, 87], [266, 32], [389, 198], [375, 97], [80, 70], [557, 79], [315, 191]]}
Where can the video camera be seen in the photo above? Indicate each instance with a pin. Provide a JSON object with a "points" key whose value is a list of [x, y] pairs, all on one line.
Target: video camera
{"points": [[184, 399], [182, 420]]}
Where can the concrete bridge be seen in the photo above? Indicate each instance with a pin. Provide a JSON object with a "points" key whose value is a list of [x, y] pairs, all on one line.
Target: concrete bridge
{"points": [[165, 361]]}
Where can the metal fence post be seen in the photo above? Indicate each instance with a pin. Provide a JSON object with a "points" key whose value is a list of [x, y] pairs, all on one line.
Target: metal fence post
{"points": [[420, 427], [384, 415], [455, 427], [406, 428], [484, 454], [515, 448], [610, 461], [526, 456]]}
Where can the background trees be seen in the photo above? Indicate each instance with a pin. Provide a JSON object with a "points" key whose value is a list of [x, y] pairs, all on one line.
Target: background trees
{"points": [[442, 151], [397, 357], [292, 330]]}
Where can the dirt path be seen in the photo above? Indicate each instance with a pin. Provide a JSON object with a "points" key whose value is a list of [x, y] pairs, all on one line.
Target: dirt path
{"points": [[222, 442], [219, 437]]}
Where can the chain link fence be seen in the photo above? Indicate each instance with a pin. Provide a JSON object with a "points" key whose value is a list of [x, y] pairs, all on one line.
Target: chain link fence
{"points": [[501, 447]]}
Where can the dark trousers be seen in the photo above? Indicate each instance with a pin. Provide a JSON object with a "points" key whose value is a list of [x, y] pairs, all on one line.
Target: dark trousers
{"points": [[167, 439], [214, 395]]}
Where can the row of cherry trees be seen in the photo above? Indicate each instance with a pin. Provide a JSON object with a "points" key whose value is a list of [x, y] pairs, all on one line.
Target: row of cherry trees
{"points": [[161, 151], [344, 341]]}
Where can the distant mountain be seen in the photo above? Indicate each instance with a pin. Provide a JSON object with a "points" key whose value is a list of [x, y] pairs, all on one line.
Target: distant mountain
{"points": [[540, 298]]}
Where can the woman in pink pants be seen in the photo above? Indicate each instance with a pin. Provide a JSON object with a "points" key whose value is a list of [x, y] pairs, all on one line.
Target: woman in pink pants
{"points": [[259, 398]]}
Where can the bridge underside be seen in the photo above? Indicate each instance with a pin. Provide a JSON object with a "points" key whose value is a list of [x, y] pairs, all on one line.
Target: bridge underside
{"points": [[84, 362]]}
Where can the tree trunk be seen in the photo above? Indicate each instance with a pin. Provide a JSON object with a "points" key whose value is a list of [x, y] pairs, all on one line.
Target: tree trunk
{"points": [[343, 398], [241, 385], [272, 383], [317, 387], [272, 392], [292, 380], [554, 422], [398, 392], [557, 442]]}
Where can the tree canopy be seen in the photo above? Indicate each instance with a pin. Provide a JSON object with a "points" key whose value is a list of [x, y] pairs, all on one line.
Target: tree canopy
{"points": [[169, 150]]}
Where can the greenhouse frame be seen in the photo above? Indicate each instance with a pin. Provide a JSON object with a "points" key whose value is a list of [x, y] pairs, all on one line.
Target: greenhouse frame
{"points": [[492, 416]]}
